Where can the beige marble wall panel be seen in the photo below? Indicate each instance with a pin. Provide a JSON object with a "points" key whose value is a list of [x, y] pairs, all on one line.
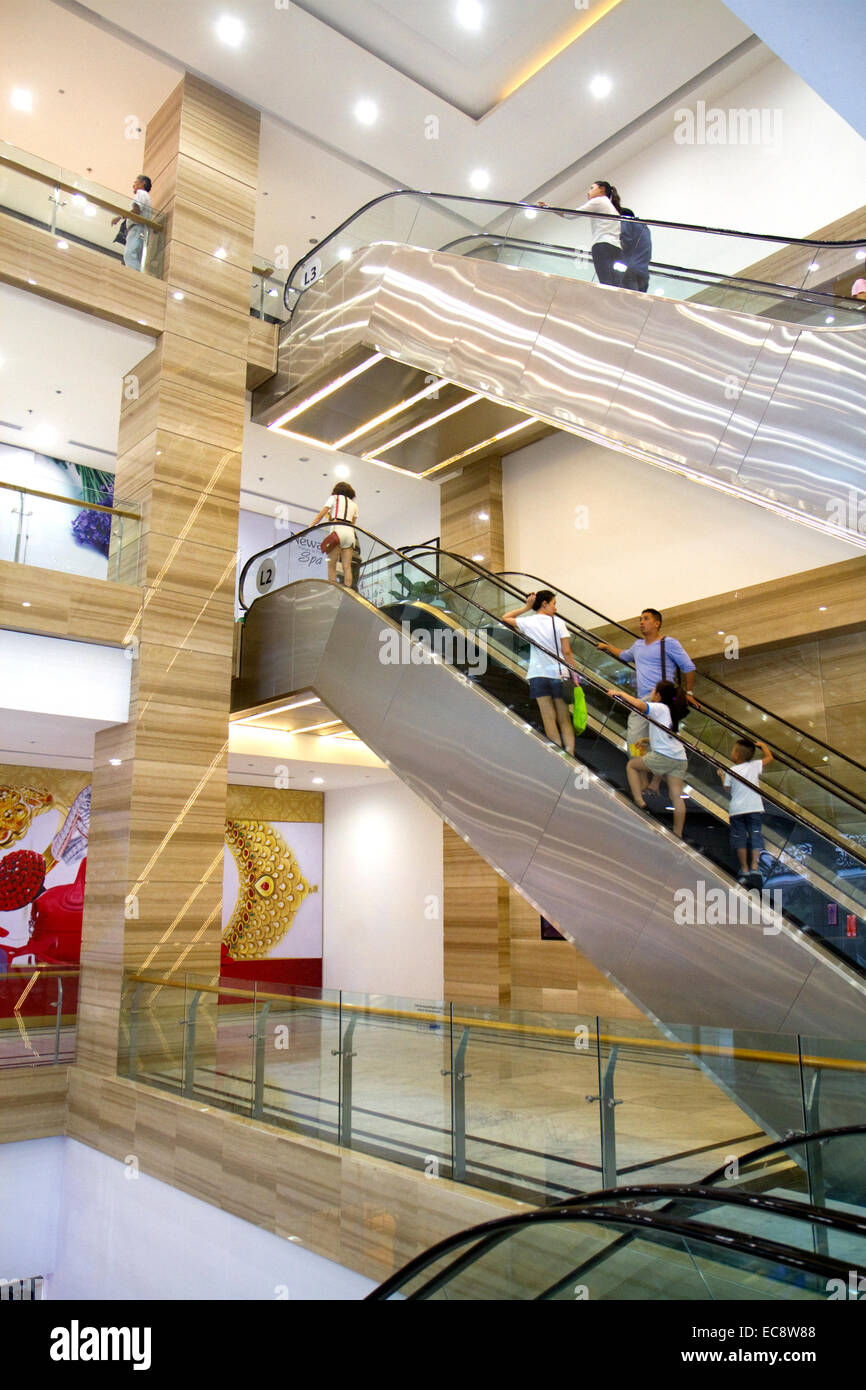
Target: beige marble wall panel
{"points": [[206, 231], [188, 568], [80, 278], [66, 605], [161, 145], [366, 1214], [478, 489], [202, 518], [201, 273], [32, 1103], [228, 198], [220, 132], [172, 461], [225, 327], [178, 676]]}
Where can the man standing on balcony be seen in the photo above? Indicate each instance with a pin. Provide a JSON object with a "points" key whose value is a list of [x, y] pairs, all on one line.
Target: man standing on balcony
{"points": [[136, 234]]}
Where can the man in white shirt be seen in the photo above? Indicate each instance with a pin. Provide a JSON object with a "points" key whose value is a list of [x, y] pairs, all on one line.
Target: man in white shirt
{"points": [[136, 234], [537, 620], [746, 807]]}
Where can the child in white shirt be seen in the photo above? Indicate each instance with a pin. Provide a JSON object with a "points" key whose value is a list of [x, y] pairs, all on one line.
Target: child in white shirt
{"points": [[746, 807]]}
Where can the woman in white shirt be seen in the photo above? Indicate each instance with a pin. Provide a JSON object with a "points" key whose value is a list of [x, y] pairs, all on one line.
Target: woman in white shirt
{"points": [[666, 706], [537, 619], [606, 248], [342, 509]]}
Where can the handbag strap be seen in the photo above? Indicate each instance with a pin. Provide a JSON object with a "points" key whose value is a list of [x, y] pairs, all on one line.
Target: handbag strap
{"points": [[664, 663]]}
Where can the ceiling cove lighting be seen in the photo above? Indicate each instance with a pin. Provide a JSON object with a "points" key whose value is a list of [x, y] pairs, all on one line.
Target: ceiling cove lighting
{"points": [[479, 179], [326, 391], [366, 111], [427, 424], [589, 18], [601, 86], [494, 439], [310, 728], [469, 14], [389, 414], [279, 709], [230, 31], [21, 99]]}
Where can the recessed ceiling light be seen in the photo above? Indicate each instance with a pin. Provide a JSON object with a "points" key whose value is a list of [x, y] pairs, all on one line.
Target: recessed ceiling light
{"points": [[21, 99], [45, 436], [178, 294], [366, 111], [601, 85], [317, 781], [479, 179], [344, 253], [230, 30], [469, 14], [342, 470], [220, 253]]}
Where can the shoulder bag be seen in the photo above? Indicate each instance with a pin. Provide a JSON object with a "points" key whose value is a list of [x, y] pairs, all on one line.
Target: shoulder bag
{"points": [[332, 540]]}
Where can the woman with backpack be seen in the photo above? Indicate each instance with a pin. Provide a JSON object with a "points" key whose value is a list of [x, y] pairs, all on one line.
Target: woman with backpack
{"points": [[666, 706]]}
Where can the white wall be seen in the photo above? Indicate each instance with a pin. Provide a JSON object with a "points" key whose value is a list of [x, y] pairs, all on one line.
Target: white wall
{"points": [[75, 1215], [653, 537], [814, 174], [383, 874]]}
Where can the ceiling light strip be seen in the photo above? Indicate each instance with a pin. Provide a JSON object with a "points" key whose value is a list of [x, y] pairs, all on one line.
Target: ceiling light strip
{"points": [[389, 414], [427, 424], [494, 439], [278, 709], [325, 391], [590, 18]]}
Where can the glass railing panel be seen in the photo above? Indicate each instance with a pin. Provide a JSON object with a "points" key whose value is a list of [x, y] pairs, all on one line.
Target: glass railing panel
{"points": [[77, 211], [38, 1013], [827, 1172], [297, 1069], [266, 294], [153, 1025], [67, 534], [541, 1145], [396, 1080]]}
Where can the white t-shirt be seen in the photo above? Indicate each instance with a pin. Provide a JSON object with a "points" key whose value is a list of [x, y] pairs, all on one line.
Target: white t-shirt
{"points": [[660, 741], [342, 508], [601, 228], [744, 801], [142, 204], [540, 627]]}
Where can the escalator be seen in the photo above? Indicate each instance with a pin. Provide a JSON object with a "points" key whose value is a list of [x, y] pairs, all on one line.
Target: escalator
{"points": [[428, 330], [707, 1241], [662, 918]]}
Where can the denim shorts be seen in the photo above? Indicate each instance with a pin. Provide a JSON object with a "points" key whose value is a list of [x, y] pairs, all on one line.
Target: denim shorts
{"points": [[545, 685], [746, 831]]}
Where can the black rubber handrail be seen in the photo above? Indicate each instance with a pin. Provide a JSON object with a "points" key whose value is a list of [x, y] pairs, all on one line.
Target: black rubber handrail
{"points": [[822, 779], [571, 212], [781, 1146], [773, 1252], [611, 622], [828, 832]]}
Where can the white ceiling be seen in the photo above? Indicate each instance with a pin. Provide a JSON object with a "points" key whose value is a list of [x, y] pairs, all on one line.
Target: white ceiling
{"points": [[63, 368], [318, 163]]}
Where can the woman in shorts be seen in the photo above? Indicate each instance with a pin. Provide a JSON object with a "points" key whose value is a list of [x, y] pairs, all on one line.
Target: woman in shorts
{"points": [[342, 509], [664, 709]]}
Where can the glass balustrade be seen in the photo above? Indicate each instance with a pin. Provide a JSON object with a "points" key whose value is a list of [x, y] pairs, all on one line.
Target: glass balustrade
{"points": [[48, 531]]}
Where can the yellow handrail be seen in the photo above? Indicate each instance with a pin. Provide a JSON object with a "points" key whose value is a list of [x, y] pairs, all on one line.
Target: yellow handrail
{"points": [[71, 501]]}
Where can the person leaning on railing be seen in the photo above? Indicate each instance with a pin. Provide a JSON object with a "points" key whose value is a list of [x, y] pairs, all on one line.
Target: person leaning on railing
{"points": [[135, 241]]}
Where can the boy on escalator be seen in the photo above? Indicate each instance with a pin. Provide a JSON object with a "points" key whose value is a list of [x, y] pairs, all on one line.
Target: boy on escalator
{"points": [[746, 807]]}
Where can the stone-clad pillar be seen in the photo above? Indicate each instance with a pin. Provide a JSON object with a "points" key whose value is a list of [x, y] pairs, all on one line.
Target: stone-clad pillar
{"points": [[155, 862]]}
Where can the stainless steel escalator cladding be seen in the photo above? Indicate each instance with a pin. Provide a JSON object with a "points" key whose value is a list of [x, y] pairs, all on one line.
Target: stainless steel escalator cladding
{"points": [[573, 845], [754, 405]]}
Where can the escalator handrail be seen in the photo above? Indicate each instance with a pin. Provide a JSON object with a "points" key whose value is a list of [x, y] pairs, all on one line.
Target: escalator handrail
{"points": [[829, 832], [781, 1146], [709, 278], [769, 1250], [572, 212], [612, 622], [789, 760]]}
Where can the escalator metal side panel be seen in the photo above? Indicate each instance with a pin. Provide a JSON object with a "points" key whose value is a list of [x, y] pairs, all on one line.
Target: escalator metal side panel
{"points": [[662, 379], [580, 853]]}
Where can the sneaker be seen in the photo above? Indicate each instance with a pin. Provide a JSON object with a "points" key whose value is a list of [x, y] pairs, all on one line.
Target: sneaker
{"points": [[742, 876], [755, 880]]}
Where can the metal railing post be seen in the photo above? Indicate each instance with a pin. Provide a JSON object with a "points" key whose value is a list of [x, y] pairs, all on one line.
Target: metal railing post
{"points": [[607, 1112], [259, 1078], [132, 1059], [345, 1053], [189, 1046], [459, 1085], [59, 1005]]}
